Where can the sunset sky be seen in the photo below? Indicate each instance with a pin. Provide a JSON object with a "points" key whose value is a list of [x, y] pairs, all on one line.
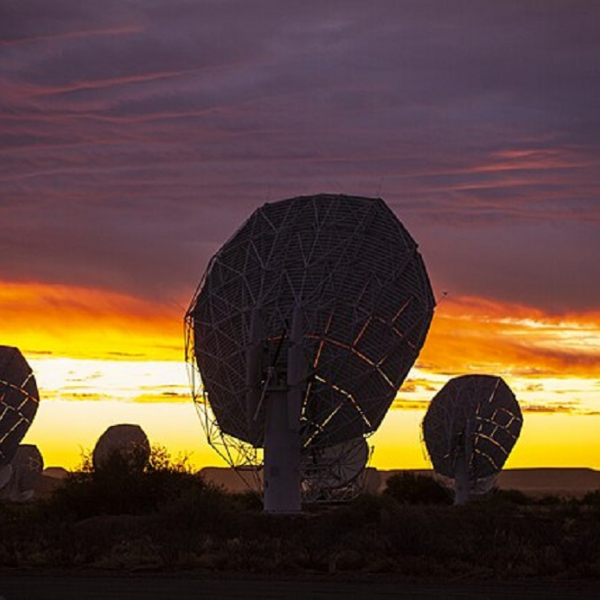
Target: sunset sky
{"points": [[137, 135]]}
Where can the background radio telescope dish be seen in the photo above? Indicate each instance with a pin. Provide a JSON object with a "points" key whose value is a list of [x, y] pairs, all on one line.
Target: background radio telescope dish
{"points": [[5, 477], [128, 441], [19, 400], [26, 467], [331, 473], [322, 297], [469, 429]]}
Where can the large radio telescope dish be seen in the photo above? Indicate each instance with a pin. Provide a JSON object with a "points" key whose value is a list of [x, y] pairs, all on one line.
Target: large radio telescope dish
{"points": [[336, 279], [19, 400], [469, 429]]}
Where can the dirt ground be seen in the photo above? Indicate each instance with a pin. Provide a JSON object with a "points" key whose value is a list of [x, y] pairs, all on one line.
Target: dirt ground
{"points": [[31, 586]]}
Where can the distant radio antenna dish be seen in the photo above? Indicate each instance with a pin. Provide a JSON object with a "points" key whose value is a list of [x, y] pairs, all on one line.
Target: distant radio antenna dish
{"points": [[26, 469], [6, 473], [469, 429], [128, 442], [19, 400], [304, 326], [333, 473]]}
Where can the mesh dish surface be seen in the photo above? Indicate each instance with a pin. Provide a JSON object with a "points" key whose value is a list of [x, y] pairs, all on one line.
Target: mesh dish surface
{"points": [[19, 400], [366, 305]]}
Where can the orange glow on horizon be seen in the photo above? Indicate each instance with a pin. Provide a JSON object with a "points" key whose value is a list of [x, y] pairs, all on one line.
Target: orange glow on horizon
{"points": [[471, 334], [115, 356], [77, 322]]}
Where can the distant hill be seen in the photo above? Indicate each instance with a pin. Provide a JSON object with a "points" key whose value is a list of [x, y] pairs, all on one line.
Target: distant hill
{"points": [[572, 482], [562, 482], [230, 480]]}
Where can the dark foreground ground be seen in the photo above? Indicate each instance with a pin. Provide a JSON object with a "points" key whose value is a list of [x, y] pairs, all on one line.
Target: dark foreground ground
{"points": [[27, 586], [165, 533]]}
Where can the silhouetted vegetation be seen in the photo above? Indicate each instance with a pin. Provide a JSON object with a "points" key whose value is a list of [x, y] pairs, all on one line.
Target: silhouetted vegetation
{"points": [[516, 497], [592, 499], [122, 486], [411, 488], [164, 517]]}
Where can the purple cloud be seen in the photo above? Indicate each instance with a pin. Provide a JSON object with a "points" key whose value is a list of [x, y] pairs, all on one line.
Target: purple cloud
{"points": [[136, 136]]}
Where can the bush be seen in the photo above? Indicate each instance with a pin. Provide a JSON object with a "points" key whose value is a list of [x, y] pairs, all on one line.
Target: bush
{"points": [[592, 499], [122, 487], [548, 500], [410, 488]]}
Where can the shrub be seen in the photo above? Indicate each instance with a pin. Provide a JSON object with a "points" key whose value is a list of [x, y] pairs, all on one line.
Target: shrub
{"points": [[511, 496], [410, 488], [592, 499], [548, 500], [121, 487]]}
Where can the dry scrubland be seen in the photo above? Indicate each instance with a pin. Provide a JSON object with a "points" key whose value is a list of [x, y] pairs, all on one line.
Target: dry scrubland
{"points": [[164, 518]]}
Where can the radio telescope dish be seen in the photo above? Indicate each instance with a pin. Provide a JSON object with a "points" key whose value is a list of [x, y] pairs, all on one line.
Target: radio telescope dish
{"points": [[27, 464], [128, 441], [304, 326], [5, 476], [19, 400], [26, 468], [469, 429]]}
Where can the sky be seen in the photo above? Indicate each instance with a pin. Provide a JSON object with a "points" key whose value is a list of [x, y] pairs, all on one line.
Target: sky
{"points": [[137, 135]]}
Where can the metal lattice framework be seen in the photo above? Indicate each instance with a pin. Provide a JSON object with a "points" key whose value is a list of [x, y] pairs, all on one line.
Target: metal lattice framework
{"points": [[19, 400], [475, 416], [366, 305], [235, 452]]}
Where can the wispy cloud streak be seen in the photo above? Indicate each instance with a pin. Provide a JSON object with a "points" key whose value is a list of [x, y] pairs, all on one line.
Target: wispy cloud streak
{"points": [[135, 136]]}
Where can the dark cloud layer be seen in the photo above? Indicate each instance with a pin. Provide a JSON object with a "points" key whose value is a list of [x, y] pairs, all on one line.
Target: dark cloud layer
{"points": [[135, 136]]}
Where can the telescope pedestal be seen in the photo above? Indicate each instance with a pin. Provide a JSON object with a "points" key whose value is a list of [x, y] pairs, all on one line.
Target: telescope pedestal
{"points": [[461, 480], [281, 455]]}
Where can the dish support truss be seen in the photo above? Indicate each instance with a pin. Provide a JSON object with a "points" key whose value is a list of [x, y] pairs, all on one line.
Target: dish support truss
{"points": [[467, 486], [322, 483]]}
